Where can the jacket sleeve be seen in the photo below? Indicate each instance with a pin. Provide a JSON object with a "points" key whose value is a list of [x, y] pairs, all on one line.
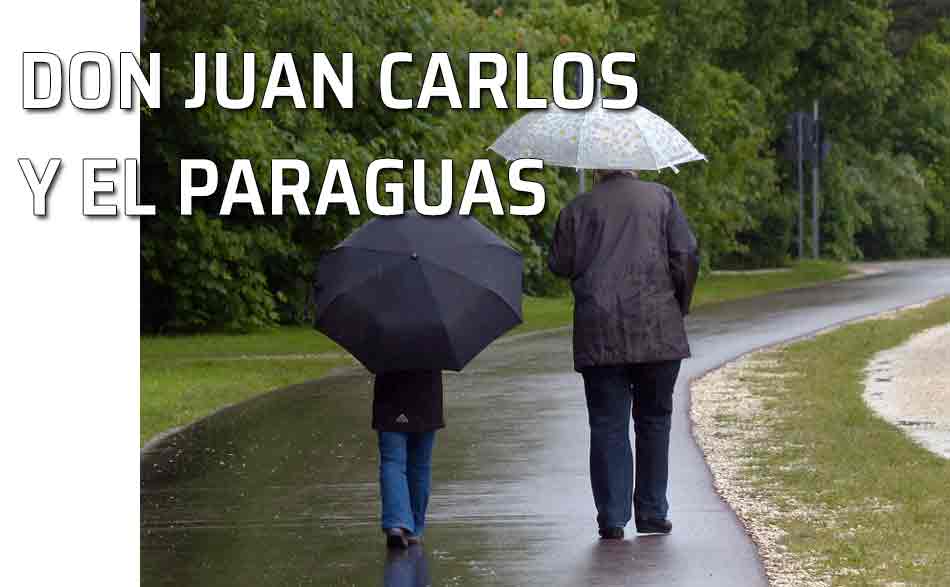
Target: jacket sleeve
{"points": [[561, 257], [684, 255]]}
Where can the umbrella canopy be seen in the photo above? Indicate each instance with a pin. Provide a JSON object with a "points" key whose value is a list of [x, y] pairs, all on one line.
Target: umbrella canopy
{"points": [[415, 292], [597, 138]]}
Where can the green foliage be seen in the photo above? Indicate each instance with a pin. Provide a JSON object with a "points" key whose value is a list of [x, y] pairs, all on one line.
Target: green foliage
{"points": [[725, 72], [921, 127], [207, 276], [877, 205], [897, 208]]}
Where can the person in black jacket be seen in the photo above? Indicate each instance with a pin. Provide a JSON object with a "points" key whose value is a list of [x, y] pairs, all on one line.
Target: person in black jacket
{"points": [[632, 260], [407, 410]]}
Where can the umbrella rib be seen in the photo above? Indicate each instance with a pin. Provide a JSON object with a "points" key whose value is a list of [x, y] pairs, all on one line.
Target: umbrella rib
{"points": [[460, 274], [580, 134], [368, 277], [516, 314], [456, 272], [332, 335], [656, 162], [438, 309]]}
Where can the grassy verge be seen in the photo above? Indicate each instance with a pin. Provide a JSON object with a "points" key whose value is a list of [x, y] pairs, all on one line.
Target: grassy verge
{"points": [[852, 500], [720, 288], [186, 377]]}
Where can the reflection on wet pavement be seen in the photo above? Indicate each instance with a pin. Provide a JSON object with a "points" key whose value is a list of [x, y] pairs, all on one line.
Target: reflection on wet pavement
{"points": [[407, 568], [282, 490]]}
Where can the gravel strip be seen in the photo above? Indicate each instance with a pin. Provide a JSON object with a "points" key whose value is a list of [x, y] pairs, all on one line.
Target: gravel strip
{"points": [[728, 420], [909, 386]]}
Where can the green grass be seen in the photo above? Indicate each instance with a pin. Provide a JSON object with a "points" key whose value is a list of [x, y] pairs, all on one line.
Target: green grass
{"points": [[720, 288], [186, 377], [884, 500]]}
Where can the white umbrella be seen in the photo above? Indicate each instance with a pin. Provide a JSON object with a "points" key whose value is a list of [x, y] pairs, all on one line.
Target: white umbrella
{"points": [[597, 138]]}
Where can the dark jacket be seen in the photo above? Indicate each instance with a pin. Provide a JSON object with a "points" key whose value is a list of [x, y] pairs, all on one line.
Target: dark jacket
{"points": [[633, 261], [408, 401]]}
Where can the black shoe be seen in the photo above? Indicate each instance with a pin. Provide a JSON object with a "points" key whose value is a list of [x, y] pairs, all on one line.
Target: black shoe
{"points": [[395, 538], [654, 526], [611, 533], [413, 539]]}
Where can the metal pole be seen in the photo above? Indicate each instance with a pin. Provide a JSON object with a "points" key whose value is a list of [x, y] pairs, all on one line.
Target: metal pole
{"points": [[579, 86], [815, 165], [800, 128]]}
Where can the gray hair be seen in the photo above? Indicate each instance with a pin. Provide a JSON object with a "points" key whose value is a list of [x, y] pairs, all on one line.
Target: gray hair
{"points": [[602, 174]]}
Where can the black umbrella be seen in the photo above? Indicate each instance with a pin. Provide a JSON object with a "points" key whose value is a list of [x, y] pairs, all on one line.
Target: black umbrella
{"points": [[417, 292]]}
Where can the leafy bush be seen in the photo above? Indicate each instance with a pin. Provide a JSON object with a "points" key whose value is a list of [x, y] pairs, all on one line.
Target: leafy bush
{"points": [[209, 277]]}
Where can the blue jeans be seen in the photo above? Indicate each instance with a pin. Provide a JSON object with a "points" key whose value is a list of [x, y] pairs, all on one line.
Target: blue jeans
{"points": [[644, 390], [405, 473]]}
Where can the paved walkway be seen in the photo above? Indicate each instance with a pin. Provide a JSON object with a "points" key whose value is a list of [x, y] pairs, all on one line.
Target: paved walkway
{"points": [[282, 490]]}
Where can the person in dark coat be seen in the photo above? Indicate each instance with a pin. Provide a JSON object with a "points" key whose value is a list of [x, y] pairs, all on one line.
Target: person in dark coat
{"points": [[407, 410], [633, 261]]}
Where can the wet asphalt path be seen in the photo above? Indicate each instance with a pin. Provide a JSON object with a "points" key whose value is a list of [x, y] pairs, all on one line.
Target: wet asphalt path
{"points": [[281, 490]]}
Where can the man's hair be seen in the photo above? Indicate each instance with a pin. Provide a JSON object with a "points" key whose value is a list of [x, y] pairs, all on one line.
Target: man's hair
{"points": [[602, 174]]}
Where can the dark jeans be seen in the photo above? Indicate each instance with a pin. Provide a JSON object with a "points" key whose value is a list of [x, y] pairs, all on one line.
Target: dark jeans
{"points": [[613, 393]]}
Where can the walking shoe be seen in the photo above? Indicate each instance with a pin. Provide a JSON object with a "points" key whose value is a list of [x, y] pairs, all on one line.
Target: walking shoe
{"points": [[395, 538], [414, 538], [654, 526], [611, 533]]}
